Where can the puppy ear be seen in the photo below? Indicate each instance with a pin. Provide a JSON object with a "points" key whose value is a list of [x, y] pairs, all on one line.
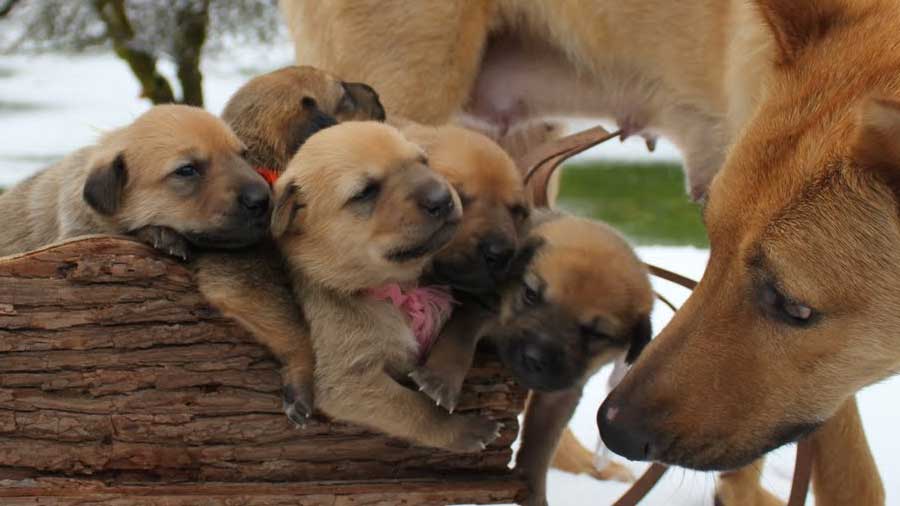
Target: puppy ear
{"points": [[287, 205], [796, 24], [307, 124], [360, 102], [876, 146], [641, 334], [105, 185]]}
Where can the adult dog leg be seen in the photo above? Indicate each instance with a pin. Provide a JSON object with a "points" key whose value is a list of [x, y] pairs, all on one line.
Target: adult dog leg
{"points": [[742, 488], [574, 458]]}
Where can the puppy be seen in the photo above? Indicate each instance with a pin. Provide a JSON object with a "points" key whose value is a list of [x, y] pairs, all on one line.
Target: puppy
{"points": [[359, 208], [273, 114], [175, 178]]}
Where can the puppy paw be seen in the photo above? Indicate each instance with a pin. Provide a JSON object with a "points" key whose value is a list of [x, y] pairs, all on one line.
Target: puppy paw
{"points": [[443, 387], [297, 402], [166, 240], [473, 433]]}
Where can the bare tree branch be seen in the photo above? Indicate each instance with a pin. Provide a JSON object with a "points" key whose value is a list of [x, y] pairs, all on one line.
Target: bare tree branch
{"points": [[142, 63], [191, 23]]}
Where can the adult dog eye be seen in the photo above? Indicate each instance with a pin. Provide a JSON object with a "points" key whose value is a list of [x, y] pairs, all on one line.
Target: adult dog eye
{"points": [[368, 193], [187, 170], [786, 309], [530, 296]]}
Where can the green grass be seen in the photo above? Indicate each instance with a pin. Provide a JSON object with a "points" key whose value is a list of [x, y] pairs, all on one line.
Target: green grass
{"points": [[646, 202]]}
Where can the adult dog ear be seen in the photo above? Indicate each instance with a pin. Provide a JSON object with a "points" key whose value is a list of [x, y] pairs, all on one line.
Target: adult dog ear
{"points": [[287, 206], [105, 186], [641, 334], [796, 24], [876, 146], [360, 102]]}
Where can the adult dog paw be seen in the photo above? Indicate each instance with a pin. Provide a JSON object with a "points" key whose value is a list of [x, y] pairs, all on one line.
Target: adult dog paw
{"points": [[443, 387], [166, 240]]}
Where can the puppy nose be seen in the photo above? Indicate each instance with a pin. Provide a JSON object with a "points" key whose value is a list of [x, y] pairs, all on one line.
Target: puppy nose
{"points": [[623, 433], [254, 199], [533, 360], [435, 199], [497, 252]]}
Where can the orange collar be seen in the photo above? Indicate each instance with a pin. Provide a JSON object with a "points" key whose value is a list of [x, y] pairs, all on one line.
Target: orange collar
{"points": [[268, 174]]}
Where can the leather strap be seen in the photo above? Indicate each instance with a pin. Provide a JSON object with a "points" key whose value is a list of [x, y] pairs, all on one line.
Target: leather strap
{"points": [[539, 166]]}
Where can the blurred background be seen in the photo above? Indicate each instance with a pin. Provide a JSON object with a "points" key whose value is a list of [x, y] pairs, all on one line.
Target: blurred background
{"points": [[70, 70]]}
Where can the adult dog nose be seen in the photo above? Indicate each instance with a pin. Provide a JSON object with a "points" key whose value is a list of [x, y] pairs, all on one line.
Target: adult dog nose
{"points": [[435, 199], [622, 433], [255, 199], [497, 252]]}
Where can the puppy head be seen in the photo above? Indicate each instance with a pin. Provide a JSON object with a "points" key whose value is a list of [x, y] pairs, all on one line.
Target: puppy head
{"points": [[179, 167], [274, 114], [798, 306], [494, 205], [359, 207], [581, 298]]}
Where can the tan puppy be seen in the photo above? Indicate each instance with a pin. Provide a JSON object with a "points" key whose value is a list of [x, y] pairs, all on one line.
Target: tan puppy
{"points": [[579, 299], [797, 309], [175, 177], [273, 114], [359, 208]]}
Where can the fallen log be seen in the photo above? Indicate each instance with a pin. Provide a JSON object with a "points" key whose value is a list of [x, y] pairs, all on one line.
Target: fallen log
{"points": [[119, 384]]}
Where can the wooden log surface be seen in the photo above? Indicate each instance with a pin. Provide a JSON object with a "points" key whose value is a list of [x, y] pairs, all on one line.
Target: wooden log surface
{"points": [[120, 385]]}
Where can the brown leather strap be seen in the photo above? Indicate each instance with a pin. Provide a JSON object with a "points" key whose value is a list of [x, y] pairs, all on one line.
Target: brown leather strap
{"points": [[538, 166], [642, 486]]}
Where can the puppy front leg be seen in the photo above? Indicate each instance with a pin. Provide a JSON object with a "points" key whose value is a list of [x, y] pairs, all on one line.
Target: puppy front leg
{"points": [[742, 487], [250, 288], [450, 358], [546, 417], [375, 400]]}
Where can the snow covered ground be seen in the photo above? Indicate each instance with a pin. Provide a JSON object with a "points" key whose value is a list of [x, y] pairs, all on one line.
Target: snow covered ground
{"points": [[53, 104]]}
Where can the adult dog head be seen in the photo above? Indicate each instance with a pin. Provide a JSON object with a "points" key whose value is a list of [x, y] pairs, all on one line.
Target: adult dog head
{"points": [[799, 306]]}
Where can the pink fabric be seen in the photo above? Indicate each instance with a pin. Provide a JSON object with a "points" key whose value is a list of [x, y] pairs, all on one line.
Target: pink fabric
{"points": [[426, 308]]}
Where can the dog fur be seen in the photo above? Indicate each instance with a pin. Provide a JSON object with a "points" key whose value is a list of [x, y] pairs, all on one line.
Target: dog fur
{"points": [[796, 310], [349, 217], [174, 177], [273, 114]]}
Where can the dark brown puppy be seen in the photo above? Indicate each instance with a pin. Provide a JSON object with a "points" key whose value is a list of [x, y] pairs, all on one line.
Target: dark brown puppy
{"points": [[273, 115], [578, 298]]}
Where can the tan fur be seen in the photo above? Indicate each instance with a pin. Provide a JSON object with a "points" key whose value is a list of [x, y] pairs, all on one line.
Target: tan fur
{"points": [[51, 205], [802, 215], [655, 67], [337, 246], [272, 114]]}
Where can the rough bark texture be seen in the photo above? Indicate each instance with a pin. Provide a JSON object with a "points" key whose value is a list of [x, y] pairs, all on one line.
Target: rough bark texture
{"points": [[120, 385]]}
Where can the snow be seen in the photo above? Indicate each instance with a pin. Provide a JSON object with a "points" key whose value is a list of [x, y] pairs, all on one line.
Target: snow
{"points": [[53, 104]]}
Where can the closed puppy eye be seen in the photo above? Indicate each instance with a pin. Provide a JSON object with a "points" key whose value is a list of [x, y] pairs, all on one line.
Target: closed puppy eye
{"points": [[368, 193], [590, 332], [785, 308], [530, 296], [187, 170], [519, 211]]}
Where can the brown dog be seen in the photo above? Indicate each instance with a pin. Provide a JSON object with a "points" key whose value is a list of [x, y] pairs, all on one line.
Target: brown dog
{"points": [[579, 298], [359, 208], [273, 114], [175, 177], [797, 308]]}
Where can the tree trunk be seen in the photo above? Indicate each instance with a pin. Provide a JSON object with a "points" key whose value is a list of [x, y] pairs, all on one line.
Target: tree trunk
{"points": [[120, 385], [192, 20], [141, 61]]}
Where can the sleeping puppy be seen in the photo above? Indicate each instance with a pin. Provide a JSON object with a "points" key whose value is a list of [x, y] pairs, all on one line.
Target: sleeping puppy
{"points": [[175, 178], [273, 114], [578, 298], [359, 209]]}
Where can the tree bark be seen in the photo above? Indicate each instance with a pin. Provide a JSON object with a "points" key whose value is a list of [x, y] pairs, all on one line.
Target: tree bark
{"points": [[192, 20], [120, 385]]}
